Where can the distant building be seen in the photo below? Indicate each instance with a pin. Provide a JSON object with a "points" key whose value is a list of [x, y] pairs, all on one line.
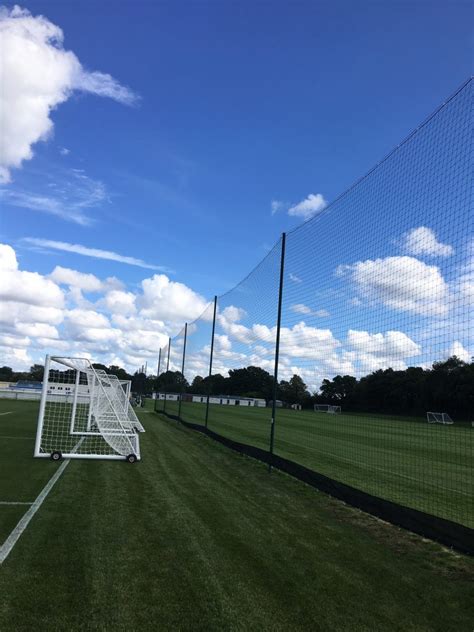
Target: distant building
{"points": [[223, 400]]}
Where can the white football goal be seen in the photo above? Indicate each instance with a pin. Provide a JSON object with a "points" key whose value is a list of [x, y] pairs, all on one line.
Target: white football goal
{"points": [[438, 418], [85, 413], [327, 408]]}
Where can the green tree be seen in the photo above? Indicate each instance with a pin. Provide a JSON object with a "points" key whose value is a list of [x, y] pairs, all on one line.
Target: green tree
{"points": [[6, 374], [36, 372], [295, 391]]}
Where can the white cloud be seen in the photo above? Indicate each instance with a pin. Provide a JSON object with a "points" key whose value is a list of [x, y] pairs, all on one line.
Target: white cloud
{"points": [[422, 241], [16, 357], [85, 251], [119, 302], [401, 283], [465, 283], [169, 300], [294, 278], [458, 350], [38, 74], [66, 276], [26, 287], [7, 258], [13, 311], [68, 197], [38, 316], [312, 205], [381, 351], [64, 151], [276, 206], [301, 308], [38, 330]]}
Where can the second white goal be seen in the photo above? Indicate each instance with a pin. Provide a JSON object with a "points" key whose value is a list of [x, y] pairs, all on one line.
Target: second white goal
{"points": [[438, 418], [327, 408]]}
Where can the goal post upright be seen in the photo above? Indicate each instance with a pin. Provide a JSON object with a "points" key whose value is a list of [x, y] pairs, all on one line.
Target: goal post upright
{"points": [[91, 399], [74, 401], [44, 392]]}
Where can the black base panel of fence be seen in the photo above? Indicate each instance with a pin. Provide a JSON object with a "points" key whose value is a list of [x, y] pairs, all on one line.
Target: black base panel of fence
{"points": [[451, 534]]}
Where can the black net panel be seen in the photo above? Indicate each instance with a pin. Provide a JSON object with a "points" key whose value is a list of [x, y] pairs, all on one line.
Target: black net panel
{"points": [[377, 320], [196, 369], [376, 371], [244, 355]]}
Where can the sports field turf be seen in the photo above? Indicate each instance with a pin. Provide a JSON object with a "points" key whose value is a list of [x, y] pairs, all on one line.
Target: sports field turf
{"points": [[408, 461], [196, 537]]}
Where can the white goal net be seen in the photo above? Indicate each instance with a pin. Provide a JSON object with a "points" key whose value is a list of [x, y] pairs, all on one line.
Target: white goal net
{"points": [[327, 408], [85, 413], [438, 418]]}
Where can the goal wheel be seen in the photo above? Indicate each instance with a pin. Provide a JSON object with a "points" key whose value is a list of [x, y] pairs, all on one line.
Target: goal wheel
{"points": [[131, 458], [56, 455]]}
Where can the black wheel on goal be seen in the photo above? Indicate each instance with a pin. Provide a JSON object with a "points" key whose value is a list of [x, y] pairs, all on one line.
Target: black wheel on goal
{"points": [[131, 458], [56, 455]]}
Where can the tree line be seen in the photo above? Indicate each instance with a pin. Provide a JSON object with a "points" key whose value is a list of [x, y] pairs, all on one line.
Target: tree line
{"points": [[445, 387]]}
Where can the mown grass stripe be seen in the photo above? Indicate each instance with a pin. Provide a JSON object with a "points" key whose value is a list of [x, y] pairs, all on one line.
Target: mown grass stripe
{"points": [[15, 535]]}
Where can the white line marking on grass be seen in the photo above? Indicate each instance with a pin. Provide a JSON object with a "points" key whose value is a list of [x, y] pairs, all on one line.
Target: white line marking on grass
{"points": [[11, 437], [7, 413], [13, 502], [14, 536]]}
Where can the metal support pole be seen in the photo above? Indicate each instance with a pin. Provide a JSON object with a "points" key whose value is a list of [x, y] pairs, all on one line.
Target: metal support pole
{"points": [[167, 368], [277, 349], [157, 376], [210, 359], [182, 367]]}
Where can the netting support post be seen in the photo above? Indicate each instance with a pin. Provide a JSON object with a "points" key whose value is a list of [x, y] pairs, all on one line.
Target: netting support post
{"points": [[277, 349], [182, 368], [210, 359], [157, 376], [44, 392], [167, 369]]}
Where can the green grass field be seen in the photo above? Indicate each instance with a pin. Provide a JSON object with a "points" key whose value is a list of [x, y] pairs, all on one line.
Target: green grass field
{"points": [[425, 466], [197, 537]]}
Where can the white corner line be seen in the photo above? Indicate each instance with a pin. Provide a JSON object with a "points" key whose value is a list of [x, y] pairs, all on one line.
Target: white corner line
{"points": [[9, 412], [13, 502], [14, 536]]}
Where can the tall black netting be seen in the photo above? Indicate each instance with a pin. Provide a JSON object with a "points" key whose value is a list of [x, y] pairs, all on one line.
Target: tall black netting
{"points": [[375, 390], [196, 368], [244, 355], [161, 378], [377, 321]]}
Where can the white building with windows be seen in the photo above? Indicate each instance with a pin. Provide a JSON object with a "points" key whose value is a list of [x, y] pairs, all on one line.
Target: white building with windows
{"points": [[222, 400]]}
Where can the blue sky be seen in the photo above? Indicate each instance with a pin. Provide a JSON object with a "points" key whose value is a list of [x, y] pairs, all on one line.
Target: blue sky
{"points": [[236, 105]]}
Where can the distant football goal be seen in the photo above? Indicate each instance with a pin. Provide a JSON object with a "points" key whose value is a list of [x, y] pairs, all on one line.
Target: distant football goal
{"points": [[438, 418], [85, 413], [327, 408]]}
